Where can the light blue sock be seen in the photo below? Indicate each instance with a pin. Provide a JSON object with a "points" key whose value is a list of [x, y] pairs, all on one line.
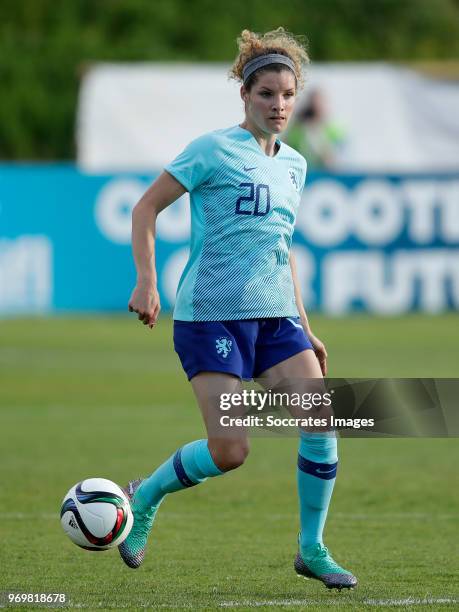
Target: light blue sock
{"points": [[187, 467], [317, 464]]}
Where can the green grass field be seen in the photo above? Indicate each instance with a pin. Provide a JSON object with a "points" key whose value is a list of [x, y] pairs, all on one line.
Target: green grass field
{"points": [[106, 397]]}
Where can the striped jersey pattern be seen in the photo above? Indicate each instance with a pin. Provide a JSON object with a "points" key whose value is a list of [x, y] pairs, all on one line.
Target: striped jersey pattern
{"points": [[243, 211]]}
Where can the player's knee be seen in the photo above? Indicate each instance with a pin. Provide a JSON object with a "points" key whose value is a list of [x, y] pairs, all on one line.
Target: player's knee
{"points": [[229, 454]]}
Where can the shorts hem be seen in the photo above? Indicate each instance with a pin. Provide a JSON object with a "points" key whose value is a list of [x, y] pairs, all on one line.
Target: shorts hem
{"points": [[192, 373]]}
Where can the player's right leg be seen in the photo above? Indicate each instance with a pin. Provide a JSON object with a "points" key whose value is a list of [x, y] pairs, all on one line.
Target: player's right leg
{"points": [[316, 470], [188, 466]]}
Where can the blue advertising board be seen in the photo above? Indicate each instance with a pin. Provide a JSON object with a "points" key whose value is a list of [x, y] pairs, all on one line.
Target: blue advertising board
{"points": [[383, 244]]}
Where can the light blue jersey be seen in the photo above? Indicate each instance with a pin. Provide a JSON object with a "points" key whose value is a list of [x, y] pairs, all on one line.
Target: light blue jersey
{"points": [[243, 211]]}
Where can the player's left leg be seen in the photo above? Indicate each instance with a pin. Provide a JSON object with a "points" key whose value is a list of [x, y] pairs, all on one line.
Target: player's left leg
{"points": [[188, 466], [316, 474]]}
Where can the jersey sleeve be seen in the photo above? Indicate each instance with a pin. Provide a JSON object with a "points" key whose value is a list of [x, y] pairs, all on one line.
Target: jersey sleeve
{"points": [[304, 168], [196, 163]]}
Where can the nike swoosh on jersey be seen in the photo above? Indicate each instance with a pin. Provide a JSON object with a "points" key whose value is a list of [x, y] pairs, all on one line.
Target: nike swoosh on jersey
{"points": [[251, 168]]}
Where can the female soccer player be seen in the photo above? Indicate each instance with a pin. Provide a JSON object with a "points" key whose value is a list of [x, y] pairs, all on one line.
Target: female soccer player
{"points": [[238, 308]]}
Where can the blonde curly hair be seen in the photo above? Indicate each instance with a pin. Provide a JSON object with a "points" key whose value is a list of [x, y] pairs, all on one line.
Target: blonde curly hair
{"points": [[280, 41]]}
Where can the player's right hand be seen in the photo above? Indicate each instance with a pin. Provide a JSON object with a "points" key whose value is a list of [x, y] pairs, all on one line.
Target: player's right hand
{"points": [[145, 302]]}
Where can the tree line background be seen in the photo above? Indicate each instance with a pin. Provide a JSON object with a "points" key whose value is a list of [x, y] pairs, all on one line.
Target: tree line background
{"points": [[45, 46]]}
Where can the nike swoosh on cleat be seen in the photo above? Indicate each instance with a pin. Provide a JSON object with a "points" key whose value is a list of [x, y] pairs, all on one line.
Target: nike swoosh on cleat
{"points": [[251, 168]]}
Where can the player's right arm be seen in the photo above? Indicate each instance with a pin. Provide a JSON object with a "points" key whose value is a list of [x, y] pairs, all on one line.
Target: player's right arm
{"points": [[145, 297]]}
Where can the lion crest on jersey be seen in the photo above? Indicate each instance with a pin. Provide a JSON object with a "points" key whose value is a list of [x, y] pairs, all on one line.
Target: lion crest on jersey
{"points": [[223, 346], [293, 178]]}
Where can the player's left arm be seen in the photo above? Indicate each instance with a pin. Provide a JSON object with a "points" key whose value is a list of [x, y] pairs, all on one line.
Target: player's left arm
{"points": [[319, 347]]}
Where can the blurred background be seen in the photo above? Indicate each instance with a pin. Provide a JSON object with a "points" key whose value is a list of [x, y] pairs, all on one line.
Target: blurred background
{"points": [[96, 96]]}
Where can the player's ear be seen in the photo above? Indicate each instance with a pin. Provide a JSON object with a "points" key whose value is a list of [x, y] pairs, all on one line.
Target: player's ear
{"points": [[244, 93]]}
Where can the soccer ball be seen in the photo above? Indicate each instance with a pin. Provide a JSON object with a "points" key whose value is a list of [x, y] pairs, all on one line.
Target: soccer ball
{"points": [[96, 514]]}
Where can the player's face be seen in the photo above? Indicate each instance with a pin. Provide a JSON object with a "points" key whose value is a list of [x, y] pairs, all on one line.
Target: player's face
{"points": [[270, 101]]}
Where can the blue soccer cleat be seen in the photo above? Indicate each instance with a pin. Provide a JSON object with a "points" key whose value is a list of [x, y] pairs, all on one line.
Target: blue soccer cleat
{"points": [[316, 562], [132, 550]]}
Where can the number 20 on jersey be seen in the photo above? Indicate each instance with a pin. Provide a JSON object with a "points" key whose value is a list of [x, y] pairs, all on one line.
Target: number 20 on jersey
{"points": [[255, 201]]}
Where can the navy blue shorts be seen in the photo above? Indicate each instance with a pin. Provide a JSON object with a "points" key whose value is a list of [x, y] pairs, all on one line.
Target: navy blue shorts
{"points": [[245, 348]]}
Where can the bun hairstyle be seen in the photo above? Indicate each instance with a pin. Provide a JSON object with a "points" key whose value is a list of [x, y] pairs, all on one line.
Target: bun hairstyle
{"points": [[252, 45]]}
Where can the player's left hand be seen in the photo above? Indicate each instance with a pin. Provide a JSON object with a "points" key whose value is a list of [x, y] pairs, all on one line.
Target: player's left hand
{"points": [[320, 351]]}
